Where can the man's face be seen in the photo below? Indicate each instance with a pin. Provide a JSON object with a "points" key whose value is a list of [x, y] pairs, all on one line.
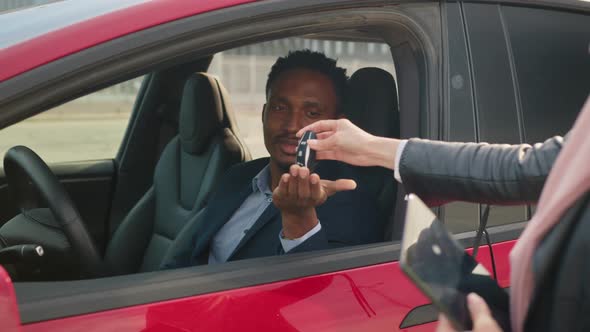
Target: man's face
{"points": [[296, 98]]}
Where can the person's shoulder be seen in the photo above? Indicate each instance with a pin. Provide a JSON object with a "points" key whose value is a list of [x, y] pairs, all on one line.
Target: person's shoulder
{"points": [[248, 169], [252, 165], [239, 175]]}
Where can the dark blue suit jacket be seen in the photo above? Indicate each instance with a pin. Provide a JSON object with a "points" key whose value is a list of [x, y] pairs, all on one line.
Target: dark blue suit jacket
{"points": [[347, 218]]}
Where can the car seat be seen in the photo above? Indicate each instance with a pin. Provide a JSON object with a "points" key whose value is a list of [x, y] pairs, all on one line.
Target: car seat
{"points": [[188, 169], [372, 105]]}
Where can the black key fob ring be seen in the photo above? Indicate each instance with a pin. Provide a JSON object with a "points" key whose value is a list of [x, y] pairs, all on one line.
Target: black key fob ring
{"points": [[305, 155]]}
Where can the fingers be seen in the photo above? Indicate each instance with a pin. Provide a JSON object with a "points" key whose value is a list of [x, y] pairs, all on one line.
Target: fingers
{"points": [[316, 189], [481, 315], [477, 306], [319, 127], [344, 184], [283, 187], [294, 181], [328, 143], [332, 187], [325, 135], [303, 190], [444, 325], [299, 188]]}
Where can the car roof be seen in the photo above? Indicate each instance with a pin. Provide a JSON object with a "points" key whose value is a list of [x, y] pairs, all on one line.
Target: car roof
{"points": [[37, 35]]}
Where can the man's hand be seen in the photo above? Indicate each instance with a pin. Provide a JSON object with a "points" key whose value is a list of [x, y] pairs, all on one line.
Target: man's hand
{"points": [[297, 195], [480, 315], [342, 140]]}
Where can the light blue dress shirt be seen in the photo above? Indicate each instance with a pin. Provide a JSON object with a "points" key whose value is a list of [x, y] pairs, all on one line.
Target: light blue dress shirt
{"points": [[229, 236]]}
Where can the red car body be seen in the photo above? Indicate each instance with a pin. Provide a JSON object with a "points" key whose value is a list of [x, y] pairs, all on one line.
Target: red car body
{"points": [[53, 45], [375, 297]]}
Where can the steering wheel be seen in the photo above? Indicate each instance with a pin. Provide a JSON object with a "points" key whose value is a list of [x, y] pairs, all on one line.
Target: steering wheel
{"points": [[24, 167]]}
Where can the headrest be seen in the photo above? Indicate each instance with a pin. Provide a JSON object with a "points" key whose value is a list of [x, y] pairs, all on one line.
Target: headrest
{"points": [[201, 112], [372, 102]]}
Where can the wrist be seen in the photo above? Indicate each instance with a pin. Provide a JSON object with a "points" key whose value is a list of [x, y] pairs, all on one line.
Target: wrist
{"points": [[296, 224], [383, 151]]}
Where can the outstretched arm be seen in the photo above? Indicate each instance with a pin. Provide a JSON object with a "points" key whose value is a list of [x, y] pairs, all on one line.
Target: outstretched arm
{"points": [[477, 172], [439, 172], [342, 140]]}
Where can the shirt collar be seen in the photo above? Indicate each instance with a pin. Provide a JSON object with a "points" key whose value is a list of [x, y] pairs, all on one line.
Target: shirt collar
{"points": [[261, 182]]}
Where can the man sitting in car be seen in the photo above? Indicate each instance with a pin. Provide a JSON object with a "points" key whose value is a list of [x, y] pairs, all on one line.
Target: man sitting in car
{"points": [[271, 206]]}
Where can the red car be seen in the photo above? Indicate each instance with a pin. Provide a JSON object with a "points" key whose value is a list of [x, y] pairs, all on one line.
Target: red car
{"points": [[96, 88]]}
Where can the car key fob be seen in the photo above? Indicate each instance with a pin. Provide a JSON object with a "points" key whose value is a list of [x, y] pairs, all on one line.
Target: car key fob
{"points": [[305, 155]]}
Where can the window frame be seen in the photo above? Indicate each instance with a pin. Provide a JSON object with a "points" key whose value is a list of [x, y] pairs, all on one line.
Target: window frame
{"points": [[129, 56]]}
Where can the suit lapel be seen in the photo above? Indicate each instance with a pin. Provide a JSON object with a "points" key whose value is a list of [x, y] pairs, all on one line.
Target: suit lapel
{"points": [[268, 214]]}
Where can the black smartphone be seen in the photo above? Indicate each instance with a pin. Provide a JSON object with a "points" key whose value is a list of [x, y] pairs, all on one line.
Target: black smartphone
{"points": [[444, 272], [305, 155]]}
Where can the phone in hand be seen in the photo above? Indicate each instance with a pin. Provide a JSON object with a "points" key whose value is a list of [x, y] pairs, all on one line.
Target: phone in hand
{"points": [[439, 266]]}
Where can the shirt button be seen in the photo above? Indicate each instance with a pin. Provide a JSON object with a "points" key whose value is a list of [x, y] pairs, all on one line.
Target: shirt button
{"points": [[269, 199]]}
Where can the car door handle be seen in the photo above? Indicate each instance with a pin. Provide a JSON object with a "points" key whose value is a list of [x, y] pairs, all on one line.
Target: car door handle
{"points": [[423, 314]]}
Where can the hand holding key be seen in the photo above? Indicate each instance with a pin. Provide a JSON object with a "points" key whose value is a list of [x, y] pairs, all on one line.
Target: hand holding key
{"points": [[342, 140]]}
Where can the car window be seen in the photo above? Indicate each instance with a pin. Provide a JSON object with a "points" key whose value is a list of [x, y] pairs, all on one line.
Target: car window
{"points": [[244, 70], [497, 105], [87, 128], [552, 64]]}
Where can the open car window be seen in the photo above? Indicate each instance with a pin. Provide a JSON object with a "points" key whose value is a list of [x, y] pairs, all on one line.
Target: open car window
{"points": [[87, 128], [244, 71]]}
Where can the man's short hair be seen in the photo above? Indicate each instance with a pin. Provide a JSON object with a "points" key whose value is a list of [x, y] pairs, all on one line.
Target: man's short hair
{"points": [[315, 61]]}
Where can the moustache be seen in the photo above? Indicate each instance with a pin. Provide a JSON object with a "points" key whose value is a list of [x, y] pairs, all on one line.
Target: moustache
{"points": [[286, 138]]}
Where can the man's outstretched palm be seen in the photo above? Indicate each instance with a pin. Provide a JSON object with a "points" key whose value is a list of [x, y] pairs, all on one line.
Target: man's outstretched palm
{"points": [[297, 195]]}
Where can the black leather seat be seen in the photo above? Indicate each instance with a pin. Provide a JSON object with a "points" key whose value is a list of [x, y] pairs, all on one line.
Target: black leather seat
{"points": [[372, 105], [187, 171]]}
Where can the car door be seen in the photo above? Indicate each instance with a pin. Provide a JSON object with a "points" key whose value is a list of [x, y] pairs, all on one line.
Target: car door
{"points": [[530, 79], [482, 108], [343, 289], [458, 117]]}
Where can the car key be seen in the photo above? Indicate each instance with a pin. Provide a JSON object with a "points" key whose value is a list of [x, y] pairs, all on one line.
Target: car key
{"points": [[305, 155]]}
